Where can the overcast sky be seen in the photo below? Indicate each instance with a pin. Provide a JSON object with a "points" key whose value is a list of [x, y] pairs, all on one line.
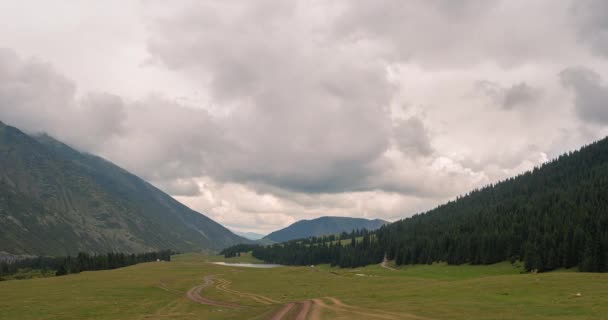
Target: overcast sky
{"points": [[261, 113]]}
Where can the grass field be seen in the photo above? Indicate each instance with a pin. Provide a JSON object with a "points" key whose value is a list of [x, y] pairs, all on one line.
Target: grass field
{"points": [[157, 291]]}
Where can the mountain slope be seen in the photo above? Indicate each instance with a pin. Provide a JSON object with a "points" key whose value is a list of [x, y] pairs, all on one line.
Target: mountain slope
{"points": [[55, 200], [555, 216], [323, 226]]}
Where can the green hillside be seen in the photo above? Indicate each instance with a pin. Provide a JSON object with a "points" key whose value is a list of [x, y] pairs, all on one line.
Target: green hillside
{"points": [[55, 200]]}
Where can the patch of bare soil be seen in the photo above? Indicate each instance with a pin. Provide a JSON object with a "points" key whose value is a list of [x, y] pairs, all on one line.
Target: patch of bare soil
{"points": [[194, 294]]}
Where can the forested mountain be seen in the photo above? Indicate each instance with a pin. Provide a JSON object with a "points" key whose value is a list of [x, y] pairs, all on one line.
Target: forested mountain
{"points": [[55, 200], [323, 226], [555, 216]]}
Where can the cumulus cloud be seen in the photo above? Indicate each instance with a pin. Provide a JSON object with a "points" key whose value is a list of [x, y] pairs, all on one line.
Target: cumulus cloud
{"points": [[243, 208], [37, 98], [32, 94], [262, 113], [311, 114], [165, 141]]}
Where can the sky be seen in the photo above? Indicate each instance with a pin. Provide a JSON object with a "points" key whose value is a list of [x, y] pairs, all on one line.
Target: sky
{"points": [[260, 113]]}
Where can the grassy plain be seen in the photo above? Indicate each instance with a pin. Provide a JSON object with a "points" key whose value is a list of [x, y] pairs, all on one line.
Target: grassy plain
{"points": [[157, 291]]}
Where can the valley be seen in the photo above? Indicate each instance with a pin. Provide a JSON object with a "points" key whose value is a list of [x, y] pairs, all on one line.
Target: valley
{"points": [[304, 160], [161, 290]]}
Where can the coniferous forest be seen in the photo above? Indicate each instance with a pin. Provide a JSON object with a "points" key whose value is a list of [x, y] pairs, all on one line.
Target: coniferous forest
{"points": [[555, 216], [82, 262], [347, 250]]}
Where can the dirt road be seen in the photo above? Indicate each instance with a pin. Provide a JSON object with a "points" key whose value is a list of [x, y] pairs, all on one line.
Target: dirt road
{"points": [[194, 294], [385, 266], [314, 309]]}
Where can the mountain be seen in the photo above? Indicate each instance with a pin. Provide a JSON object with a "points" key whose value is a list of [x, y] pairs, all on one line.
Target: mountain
{"points": [[55, 200], [250, 235], [555, 216], [323, 226]]}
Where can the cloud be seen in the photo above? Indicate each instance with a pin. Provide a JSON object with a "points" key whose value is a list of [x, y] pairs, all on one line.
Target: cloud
{"points": [[412, 138], [32, 93], [450, 34], [590, 95], [591, 18], [239, 206], [165, 141], [180, 187], [37, 98], [508, 98], [304, 113], [261, 113], [519, 94]]}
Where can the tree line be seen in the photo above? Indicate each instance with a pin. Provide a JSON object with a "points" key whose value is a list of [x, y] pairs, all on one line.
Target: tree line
{"points": [[555, 216], [347, 250], [82, 262]]}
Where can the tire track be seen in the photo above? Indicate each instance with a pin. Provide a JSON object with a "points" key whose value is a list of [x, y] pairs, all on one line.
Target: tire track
{"points": [[304, 310], [194, 294], [162, 285], [311, 310], [317, 306], [372, 313], [223, 286], [339, 307], [283, 311]]}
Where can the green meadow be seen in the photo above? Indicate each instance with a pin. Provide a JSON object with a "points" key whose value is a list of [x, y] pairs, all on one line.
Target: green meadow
{"points": [[157, 291]]}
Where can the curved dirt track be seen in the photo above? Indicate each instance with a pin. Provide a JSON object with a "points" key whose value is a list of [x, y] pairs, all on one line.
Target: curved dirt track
{"points": [[194, 294], [312, 310], [298, 310]]}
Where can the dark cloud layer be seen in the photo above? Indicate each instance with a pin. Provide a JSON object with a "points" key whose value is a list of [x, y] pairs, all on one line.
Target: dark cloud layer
{"points": [[591, 96], [591, 17], [311, 114], [412, 137], [517, 95], [269, 111]]}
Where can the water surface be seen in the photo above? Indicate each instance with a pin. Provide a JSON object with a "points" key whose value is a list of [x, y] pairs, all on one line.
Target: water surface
{"points": [[248, 265]]}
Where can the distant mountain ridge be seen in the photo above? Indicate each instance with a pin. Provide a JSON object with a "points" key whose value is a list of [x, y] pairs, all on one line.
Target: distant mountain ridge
{"points": [[323, 226], [55, 200], [250, 235]]}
